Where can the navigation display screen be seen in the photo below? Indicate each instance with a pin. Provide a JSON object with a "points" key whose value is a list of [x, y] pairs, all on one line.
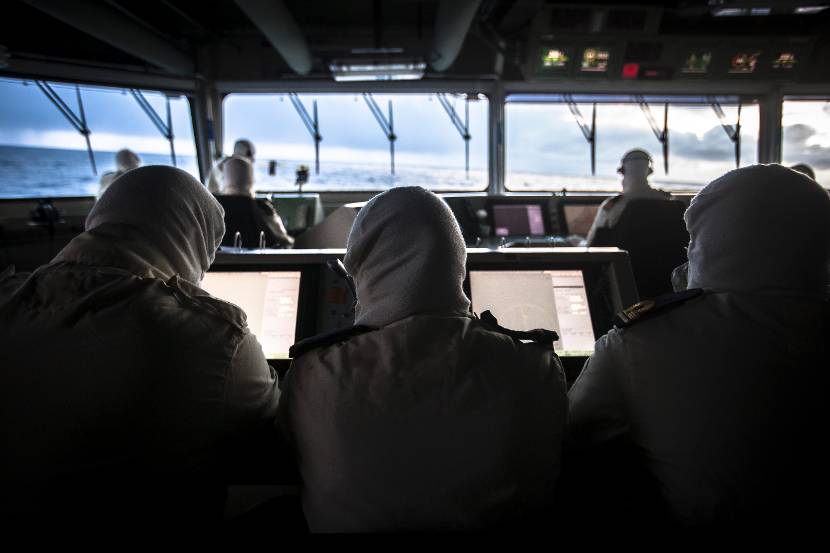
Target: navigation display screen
{"points": [[595, 60], [525, 300], [554, 58], [744, 62], [785, 60], [580, 217], [697, 62], [269, 299], [511, 219]]}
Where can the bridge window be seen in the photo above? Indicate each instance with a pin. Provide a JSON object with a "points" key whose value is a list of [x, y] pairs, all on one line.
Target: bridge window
{"points": [[806, 137], [548, 140], [43, 150], [354, 150]]}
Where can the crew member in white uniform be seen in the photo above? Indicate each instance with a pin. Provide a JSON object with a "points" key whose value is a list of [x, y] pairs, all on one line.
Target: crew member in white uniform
{"points": [[422, 416], [635, 167], [239, 181], [243, 148], [125, 160], [722, 387]]}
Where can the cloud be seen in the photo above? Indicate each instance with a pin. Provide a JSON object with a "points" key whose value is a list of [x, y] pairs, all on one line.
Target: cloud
{"points": [[101, 142], [713, 145], [798, 134], [798, 151]]}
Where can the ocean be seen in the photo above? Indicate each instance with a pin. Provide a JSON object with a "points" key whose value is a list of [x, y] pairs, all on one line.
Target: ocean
{"points": [[43, 172], [27, 172]]}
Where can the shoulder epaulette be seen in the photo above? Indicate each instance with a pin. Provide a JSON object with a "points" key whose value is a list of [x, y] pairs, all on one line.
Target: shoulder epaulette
{"points": [[648, 308], [537, 335], [609, 203], [326, 339]]}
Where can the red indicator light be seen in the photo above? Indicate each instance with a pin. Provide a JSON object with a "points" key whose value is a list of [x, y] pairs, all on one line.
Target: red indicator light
{"points": [[630, 70]]}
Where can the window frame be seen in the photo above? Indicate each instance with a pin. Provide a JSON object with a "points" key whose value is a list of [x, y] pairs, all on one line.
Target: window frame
{"points": [[145, 87], [651, 98], [380, 88]]}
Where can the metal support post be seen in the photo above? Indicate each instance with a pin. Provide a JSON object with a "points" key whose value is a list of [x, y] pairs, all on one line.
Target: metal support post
{"points": [[77, 121], [311, 123]]}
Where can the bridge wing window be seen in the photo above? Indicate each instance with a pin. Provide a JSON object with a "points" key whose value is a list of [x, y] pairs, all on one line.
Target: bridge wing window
{"points": [[366, 141], [43, 152], [548, 140], [806, 137]]}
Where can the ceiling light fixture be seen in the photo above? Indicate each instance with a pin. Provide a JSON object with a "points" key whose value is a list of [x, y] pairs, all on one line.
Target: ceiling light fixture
{"points": [[408, 70], [809, 10], [730, 12]]}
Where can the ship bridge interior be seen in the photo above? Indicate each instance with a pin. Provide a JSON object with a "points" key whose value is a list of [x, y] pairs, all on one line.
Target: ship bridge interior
{"points": [[525, 116]]}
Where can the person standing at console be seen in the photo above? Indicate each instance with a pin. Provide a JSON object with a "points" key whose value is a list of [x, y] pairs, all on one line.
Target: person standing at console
{"points": [[721, 388], [421, 416], [635, 167], [120, 377], [242, 148]]}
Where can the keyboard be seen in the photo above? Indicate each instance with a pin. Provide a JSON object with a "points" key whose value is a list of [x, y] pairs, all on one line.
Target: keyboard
{"points": [[534, 242]]}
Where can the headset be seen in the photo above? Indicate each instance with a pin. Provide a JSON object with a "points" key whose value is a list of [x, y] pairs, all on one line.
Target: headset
{"points": [[634, 155]]}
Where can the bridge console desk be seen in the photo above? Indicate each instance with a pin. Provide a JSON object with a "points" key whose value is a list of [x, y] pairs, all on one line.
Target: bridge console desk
{"points": [[289, 295]]}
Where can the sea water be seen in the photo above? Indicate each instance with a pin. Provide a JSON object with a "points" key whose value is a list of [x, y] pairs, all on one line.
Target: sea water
{"points": [[43, 172], [27, 172]]}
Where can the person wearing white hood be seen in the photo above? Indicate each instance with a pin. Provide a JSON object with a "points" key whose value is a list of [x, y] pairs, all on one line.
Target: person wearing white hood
{"points": [[720, 388], [421, 416], [125, 160], [635, 167], [242, 148], [121, 379], [246, 213]]}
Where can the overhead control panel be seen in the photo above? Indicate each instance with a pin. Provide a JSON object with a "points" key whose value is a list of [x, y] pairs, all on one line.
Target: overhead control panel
{"points": [[585, 42]]}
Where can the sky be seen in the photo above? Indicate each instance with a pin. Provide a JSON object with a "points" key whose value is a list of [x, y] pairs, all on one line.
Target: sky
{"points": [[544, 146]]}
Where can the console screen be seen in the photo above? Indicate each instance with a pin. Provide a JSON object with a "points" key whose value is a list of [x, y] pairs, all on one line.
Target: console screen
{"points": [[525, 300], [744, 62], [554, 58], [269, 299], [580, 217], [595, 60], [518, 220]]}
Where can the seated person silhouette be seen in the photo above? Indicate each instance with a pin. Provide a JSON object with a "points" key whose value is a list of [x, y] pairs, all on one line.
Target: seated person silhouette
{"points": [[122, 379], [720, 389], [247, 215], [646, 223], [243, 148], [422, 416], [804, 169]]}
